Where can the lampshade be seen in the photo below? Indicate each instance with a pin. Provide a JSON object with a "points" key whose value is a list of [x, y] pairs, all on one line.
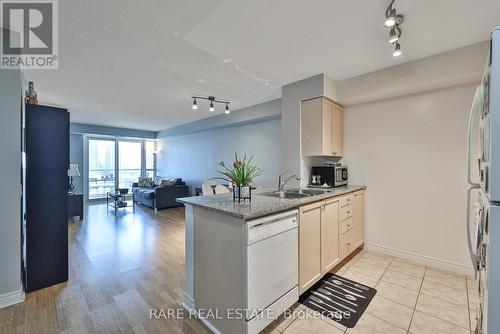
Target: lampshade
{"points": [[73, 170]]}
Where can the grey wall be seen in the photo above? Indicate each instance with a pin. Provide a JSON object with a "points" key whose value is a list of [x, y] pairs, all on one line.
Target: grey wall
{"points": [[292, 95], [10, 181], [257, 113], [76, 157], [194, 157], [79, 128]]}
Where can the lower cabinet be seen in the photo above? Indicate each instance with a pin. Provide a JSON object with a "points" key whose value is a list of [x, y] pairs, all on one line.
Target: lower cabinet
{"points": [[358, 219], [309, 245], [329, 235], [329, 231]]}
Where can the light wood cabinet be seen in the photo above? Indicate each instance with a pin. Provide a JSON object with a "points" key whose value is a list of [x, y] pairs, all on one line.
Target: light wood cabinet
{"points": [[321, 127], [309, 245], [329, 235], [329, 231], [358, 221]]}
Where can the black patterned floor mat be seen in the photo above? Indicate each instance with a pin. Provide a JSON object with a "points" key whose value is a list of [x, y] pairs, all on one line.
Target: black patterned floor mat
{"points": [[339, 298]]}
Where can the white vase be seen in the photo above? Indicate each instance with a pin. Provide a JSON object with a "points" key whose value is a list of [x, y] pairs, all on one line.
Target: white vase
{"points": [[245, 192]]}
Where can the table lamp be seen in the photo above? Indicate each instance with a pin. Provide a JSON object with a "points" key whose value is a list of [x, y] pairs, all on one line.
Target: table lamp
{"points": [[72, 171]]}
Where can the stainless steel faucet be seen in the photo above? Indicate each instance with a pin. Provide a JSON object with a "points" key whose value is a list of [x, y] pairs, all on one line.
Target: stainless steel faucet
{"points": [[282, 183]]}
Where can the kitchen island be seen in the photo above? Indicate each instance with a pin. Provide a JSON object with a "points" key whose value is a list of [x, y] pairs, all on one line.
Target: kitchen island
{"points": [[239, 273]]}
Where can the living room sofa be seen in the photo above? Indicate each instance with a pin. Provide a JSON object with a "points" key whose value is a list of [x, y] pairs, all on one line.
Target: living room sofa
{"points": [[161, 197]]}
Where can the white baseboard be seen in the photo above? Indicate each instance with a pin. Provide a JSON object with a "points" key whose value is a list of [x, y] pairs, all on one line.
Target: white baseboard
{"points": [[427, 260], [11, 298]]}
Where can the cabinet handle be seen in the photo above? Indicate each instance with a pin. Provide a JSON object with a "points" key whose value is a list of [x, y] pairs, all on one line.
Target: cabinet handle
{"points": [[334, 153]]}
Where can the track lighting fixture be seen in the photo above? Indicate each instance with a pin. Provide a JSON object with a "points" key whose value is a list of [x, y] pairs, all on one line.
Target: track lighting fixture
{"points": [[393, 20], [212, 99]]}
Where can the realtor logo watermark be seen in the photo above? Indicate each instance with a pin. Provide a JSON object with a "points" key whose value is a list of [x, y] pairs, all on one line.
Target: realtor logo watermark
{"points": [[29, 34]]}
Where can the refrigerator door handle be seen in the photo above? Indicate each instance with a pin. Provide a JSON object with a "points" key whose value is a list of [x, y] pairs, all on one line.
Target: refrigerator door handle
{"points": [[476, 100], [473, 256]]}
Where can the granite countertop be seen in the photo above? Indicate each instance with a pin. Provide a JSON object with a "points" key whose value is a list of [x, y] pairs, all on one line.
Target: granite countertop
{"points": [[260, 205]]}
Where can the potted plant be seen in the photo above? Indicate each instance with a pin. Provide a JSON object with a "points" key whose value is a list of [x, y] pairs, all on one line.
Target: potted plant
{"points": [[241, 173]]}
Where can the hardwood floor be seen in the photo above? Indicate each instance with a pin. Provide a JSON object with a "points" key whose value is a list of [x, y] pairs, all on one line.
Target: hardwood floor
{"points": [[121, 266]]}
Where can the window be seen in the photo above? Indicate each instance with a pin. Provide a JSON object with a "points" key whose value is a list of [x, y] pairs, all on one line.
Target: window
{"points": [[150, 148], [117, 163], [129, 163], [101, 173]]}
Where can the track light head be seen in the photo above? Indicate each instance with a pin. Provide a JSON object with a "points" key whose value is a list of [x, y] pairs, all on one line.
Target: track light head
{"points": [[394, 34], [227, 109], [397, 50], [195, 105], [390, 22]]}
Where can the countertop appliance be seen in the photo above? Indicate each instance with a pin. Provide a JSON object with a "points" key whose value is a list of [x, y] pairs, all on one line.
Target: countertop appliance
{"points": [[329, 176], [272, 267], [484, 230]]}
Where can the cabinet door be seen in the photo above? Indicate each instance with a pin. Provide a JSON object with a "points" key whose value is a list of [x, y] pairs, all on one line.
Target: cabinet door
{"points": [[311, 127], [358, 220], [345, 245], [337, 120], [309, 245], [329, 236], [327, 108]]}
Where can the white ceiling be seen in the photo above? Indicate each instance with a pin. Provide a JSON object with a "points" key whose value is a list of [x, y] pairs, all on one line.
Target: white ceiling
{"points": [[135, 64]]}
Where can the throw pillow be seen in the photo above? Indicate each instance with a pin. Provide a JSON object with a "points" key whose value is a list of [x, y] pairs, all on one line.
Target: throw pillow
{"points": [[145, 182], [166, 183], [157, 180]]}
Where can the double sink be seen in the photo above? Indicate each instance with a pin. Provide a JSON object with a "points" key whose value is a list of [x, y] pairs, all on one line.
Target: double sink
{"points": [[296, 193]]}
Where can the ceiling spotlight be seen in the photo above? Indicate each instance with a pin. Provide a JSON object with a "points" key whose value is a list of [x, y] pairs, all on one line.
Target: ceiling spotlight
{"points": [[390, 21], [227, 109], [195, 105], [211, 106], [394, 34], [397, 50]]}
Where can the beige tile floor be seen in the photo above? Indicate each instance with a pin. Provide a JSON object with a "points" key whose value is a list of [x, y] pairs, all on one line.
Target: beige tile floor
{"points": [[411, 298]]}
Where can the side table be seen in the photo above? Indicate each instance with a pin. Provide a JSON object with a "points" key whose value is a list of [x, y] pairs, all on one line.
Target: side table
{"points": [[75, 205]]}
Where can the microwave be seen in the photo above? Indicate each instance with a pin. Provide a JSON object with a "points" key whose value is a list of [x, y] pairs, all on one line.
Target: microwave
{"points": [[332, 176]]}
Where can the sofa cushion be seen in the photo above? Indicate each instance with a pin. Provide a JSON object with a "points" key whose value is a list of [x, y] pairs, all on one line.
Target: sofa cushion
{"points": [[146, 193]]}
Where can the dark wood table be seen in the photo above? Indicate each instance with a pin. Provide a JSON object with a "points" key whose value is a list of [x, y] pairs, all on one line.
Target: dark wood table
{"points": [[75, 205]]}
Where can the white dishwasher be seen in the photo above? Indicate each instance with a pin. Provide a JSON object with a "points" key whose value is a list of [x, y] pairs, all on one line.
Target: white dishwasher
{"points": [[272, 252]]}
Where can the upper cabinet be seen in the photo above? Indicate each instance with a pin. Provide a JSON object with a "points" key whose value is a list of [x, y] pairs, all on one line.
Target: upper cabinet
{"points": [[321, 127]]}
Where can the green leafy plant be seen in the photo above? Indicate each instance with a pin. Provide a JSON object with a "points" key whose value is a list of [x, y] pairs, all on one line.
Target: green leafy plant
{"points": [[241, 172]]}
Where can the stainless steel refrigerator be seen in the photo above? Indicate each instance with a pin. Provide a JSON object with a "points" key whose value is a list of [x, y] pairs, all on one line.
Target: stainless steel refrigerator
{"points": [[483, 223]]}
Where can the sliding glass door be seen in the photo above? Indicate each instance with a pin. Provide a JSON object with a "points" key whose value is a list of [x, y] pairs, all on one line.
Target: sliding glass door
{"points": [[102, 171], [117, 163], [129, 163]]}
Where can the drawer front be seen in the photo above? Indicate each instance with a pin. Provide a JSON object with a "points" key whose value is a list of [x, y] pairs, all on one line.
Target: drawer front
{"points": [[345, 212], [346, 200], [345, 225]]}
